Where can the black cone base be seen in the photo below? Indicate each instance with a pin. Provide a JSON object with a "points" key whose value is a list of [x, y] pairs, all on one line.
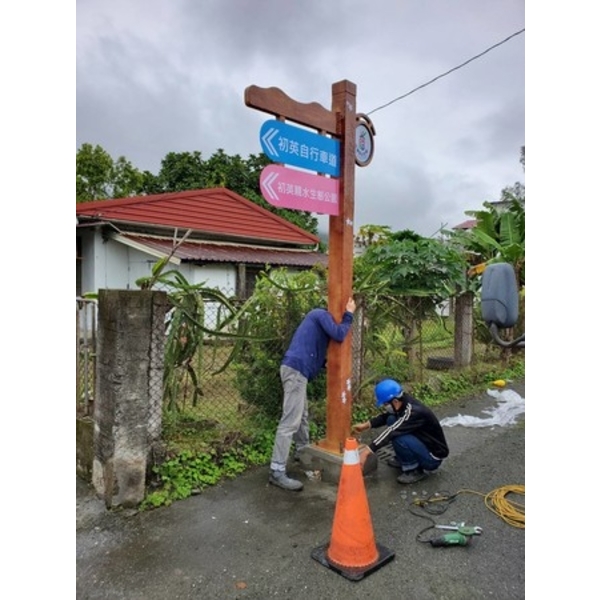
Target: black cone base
{"points": [[353, 573]]}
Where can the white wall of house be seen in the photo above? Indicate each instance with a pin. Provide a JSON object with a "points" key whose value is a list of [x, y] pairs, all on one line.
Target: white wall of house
{"points": [[109, 264], [88, 283], [222, 276], [114, 266]]}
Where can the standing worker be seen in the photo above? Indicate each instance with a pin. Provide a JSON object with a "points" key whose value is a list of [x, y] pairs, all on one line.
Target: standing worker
{"points": [[302, 362], [412, 429]]}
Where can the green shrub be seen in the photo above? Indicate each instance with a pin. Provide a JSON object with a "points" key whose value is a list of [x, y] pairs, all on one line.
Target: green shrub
{"points": [[280, 301]]}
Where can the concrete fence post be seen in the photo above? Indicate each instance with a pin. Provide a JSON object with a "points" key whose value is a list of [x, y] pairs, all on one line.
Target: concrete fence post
{"points": [[463, 330], [127, 408]]}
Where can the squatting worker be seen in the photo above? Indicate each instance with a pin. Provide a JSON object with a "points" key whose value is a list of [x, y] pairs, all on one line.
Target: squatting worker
{"points": [[301, 363], [411, 428]]}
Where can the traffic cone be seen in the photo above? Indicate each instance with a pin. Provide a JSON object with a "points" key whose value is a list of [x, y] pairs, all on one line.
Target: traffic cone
{"points": [[352, 550]]}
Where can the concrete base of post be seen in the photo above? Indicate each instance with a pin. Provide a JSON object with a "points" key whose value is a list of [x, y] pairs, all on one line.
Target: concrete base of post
{"points": [[329, 464]]}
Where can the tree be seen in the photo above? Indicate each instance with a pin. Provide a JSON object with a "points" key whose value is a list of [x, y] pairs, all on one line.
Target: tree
{"points": [[413, 265], [98, 176], [181, 171], [369, 235], [498, 236], [280, 300], [499, 233], [407, 276]]}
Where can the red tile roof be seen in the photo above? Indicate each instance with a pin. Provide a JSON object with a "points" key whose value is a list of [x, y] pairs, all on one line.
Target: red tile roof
{"points": [[216, 213], [466, 224]]}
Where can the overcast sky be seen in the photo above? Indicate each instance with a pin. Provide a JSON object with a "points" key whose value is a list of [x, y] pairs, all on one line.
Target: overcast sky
{"points": [[157, 76]]}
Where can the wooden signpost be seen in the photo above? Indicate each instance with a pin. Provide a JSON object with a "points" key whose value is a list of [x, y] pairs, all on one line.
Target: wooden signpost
{"points": [[341, 123]]}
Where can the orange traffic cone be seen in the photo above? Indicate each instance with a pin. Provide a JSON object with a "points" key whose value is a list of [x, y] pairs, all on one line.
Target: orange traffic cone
{"points": [[352, 550]]}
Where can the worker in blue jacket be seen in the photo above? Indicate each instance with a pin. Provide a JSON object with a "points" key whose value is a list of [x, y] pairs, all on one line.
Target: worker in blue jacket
{"points": [[411, 428], [301, 363]]}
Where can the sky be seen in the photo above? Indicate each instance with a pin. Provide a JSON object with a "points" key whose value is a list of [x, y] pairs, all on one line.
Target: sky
{"points": [[156, 76]]}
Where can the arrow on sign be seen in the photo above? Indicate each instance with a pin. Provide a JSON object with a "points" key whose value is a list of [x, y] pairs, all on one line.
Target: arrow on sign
{"points": [[269, 179], [266, 139]]}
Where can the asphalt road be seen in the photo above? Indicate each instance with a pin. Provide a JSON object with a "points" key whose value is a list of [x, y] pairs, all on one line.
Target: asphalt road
{"points": [[245, 539]]}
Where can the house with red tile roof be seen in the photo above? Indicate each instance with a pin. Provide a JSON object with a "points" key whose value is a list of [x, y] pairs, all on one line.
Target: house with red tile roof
{"points": [[227, 240], [466, 225]]}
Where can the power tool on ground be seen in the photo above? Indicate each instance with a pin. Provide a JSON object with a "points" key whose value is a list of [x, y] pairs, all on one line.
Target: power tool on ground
{"points": [[460, 536]]}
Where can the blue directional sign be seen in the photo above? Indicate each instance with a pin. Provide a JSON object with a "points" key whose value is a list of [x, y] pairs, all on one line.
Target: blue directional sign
{"points": [[291, 145]]}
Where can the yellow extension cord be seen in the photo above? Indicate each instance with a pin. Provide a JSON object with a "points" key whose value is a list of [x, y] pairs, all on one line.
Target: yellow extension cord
{"points": [[499, 503]]}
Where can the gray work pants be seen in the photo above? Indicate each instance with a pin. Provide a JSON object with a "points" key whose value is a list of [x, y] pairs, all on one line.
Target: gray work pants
{"points": [[293, 425]]}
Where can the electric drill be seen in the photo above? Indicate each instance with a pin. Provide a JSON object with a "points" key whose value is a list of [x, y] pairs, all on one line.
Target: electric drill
{"points": [[450, 539]]}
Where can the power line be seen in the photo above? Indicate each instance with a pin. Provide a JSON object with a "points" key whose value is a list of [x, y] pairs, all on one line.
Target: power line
{"points": [[447, 72]]}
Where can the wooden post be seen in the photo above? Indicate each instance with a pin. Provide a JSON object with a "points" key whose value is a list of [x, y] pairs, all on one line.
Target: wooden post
{"points": [[341, 256], [341, 123]]}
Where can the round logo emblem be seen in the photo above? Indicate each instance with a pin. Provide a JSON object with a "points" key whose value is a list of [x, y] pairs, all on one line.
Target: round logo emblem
{"points": [[364, 145]]}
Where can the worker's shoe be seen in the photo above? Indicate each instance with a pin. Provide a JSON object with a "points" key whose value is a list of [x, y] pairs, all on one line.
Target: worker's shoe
{"points": [[280, 479], [412, 476], [394, 462]]}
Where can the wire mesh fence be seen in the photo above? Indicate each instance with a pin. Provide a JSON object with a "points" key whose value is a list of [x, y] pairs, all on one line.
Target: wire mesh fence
{"points": [[210, 388], [85, 361]]}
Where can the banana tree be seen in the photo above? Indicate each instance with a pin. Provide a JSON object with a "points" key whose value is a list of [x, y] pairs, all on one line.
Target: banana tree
{"points": [[499, 235], [498, 239]]}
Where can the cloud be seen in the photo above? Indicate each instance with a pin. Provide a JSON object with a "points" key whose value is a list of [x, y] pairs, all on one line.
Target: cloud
{"points": [[155, 77]]}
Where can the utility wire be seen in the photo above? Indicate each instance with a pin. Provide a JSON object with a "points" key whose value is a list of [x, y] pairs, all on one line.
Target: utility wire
{"points": [[447, 72]]}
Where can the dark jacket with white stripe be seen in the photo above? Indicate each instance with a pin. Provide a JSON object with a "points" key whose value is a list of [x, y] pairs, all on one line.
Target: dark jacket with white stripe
{"points": [[415, 418]]}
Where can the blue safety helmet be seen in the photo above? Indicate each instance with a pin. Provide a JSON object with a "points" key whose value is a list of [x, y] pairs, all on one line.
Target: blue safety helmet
{"points": [[387, 390]]}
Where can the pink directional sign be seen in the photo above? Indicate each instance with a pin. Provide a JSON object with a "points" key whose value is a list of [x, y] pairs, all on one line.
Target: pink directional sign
{"points": [[290, 188]]}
